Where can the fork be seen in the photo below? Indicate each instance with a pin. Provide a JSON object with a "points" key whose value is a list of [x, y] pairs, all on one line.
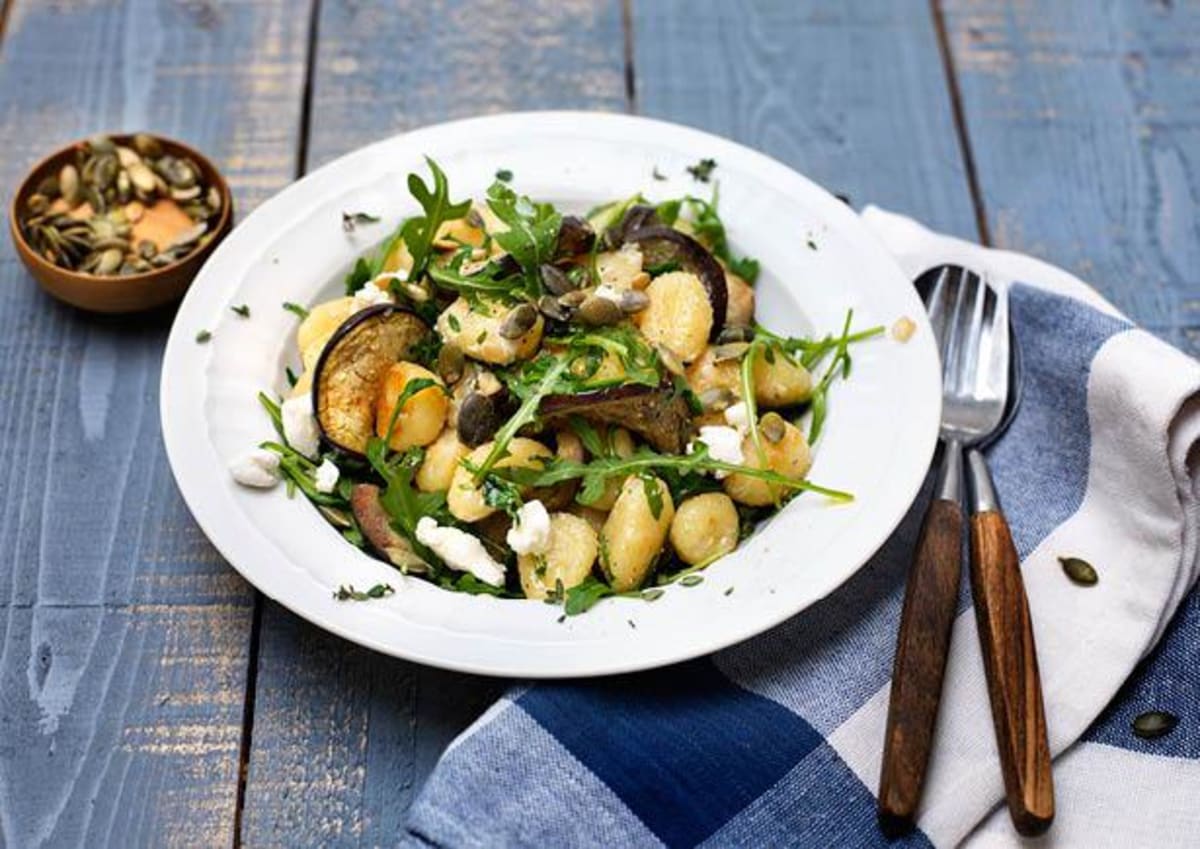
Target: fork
{"points": [[970, 322]]}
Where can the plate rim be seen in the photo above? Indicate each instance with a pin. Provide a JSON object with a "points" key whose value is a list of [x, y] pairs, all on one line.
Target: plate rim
{"points": [[267, 580]]}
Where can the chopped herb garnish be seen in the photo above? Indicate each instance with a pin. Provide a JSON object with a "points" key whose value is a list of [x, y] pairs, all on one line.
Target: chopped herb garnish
{"points": [[812, 245], [346, 592], [729, 591], [658, 175], [299, 311], [203, 336], [504, 175], [452, 320], [702, 170], [351, 220], [290, 375], [242, 310]]}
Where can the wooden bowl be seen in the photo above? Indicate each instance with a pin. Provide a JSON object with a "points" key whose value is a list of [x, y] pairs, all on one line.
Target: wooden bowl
{"points": [[118, 294]]}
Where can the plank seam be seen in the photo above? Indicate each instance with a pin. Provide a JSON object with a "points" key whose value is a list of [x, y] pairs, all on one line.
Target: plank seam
{"points": [[630, 78], [250, 702], [248, 706], [960, 121], [5, 7]]}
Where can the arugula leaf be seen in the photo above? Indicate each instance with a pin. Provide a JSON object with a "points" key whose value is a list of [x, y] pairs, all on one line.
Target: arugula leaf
{"points": [[525, 414], [746, 373], [468, 583], [820, 401], [595, 472], [417, 384], [702, 170], [419, 231], [532, 233], [351, 220], [360, 275], [346, 592], [404, 503], [582, 597]]}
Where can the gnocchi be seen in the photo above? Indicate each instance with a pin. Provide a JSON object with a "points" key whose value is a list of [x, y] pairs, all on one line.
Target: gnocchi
{"points": [[419, 420], [568, 561], [679, 316], [477, 329], [465, 498], [633, 535], [789, 457], [705, 527]]}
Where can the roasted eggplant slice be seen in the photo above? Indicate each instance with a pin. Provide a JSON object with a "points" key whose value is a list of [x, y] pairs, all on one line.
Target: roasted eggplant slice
{"points": [[660, 415], [348, 373], [662, 245], [376, 526]]}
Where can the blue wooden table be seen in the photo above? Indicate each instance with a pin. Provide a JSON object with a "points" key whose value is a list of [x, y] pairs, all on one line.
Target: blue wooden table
{"points": [[148, 696]]}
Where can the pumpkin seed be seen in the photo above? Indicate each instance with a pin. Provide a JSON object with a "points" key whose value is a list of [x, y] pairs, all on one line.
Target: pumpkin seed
{"points": [[127, 156], [37, 203], [147, 146], [48, 186], [1154, 723], [450, 363], [572, 300], [477, 420], [670, 360], [772, 427], [1079, 571], [735, 333], [186, 194], [213, 199], [550, 306], [68, 183], [729, 351], [110, 260], [716, 399], [599, 312], [632, 301], [519, 321], [143, 178], [555, 280], [101, 144], [105, 172], [337, 518]]}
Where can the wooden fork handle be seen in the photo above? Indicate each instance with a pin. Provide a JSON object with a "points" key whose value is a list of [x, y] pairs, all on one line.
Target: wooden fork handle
{"points": [[1010, 663], [926, 620]]}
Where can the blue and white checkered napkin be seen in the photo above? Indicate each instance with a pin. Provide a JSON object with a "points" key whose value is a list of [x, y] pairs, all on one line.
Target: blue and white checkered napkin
{"points": [[776, 742]]}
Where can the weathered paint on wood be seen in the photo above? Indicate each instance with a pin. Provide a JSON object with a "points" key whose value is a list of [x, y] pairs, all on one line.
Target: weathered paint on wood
{"points": [[343, 737], [851, 94], [125, 636], [1084, 119]]}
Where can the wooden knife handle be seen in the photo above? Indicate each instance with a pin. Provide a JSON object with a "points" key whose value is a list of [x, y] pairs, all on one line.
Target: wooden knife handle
{"points": [[926, 620], [1010, 662]]}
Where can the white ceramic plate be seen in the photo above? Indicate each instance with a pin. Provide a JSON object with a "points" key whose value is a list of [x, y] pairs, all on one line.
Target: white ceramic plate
{"points": [[877, 443]]}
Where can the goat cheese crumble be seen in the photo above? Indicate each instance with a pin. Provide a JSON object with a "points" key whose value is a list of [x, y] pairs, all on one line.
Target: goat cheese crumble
{"points": [[258, 468], [738, 417], [370, 295], [300, 425], [530, 533], [724, 444], [326, 476], [460, 551]]}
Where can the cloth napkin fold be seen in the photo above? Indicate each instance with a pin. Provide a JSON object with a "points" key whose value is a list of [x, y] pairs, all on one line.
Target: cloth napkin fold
{"points": [[776, 742]]}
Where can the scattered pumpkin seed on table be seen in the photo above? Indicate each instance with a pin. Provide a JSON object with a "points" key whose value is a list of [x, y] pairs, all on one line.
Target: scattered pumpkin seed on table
{"points": [[121, 210], [1079, 571], [1154, 723]]}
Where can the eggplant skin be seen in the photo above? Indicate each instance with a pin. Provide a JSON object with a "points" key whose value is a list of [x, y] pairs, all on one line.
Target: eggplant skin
{"points": [[660, 244], [376, 526], [347, 376], [658, 414]]}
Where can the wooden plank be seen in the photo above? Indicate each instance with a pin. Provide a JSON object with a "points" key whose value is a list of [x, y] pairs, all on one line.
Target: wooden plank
{"points": [[851, 94], [342, 737], [1085, 124], [125, 647]]}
